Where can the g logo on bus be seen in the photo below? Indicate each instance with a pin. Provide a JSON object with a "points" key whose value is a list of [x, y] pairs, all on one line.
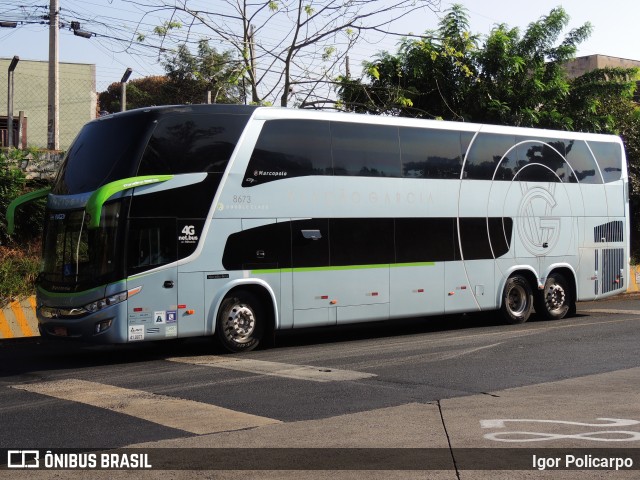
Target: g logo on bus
{"points": [[538, 229]]}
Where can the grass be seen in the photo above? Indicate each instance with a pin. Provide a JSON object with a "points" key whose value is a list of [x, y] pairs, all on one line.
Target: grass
{"points": [[19, 267]]}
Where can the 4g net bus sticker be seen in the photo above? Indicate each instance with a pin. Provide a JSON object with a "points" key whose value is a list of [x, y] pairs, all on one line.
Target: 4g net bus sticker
{"points": [[188, 232]]}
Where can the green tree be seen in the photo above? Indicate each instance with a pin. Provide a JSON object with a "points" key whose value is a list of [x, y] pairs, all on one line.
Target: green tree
{"points": [[290, 49], [509, 79], [141, 92], [521, 80], [191, 76], [429, 77]]}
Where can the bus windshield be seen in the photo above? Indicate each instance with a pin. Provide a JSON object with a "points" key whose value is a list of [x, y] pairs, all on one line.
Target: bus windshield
{"points": [[76, 258], [105, 150]]}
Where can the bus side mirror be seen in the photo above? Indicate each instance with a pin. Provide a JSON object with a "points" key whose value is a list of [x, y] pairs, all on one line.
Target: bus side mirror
{"points": [[22, 199]]}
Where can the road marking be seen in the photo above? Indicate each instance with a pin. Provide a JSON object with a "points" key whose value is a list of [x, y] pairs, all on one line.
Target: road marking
{"points": [[613, 422], [5, 330], [276, 369], [610, 310], [21, 318], [597, 436], [188, 415], [521, 437]]}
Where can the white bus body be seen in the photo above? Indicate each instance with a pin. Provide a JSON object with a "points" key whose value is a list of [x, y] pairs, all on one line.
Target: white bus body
{"points": [[309, 218]]}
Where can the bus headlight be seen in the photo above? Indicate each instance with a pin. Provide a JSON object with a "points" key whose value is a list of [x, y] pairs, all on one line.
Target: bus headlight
{"points": [[111, 300]]}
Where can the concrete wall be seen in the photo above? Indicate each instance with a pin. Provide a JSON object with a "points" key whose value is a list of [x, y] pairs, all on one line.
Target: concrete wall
{"points": [[581, 65], [78, 98]]}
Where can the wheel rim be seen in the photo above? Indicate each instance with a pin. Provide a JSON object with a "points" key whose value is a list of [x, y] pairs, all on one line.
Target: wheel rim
{"points": [[517, 300], [555, 298], [239, 324]]}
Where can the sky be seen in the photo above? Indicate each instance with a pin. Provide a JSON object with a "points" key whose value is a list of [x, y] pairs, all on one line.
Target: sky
{"points": [[615, 30]]}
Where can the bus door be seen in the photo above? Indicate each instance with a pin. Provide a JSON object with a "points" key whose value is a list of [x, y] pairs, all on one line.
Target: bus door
{"points": [[151, 257], [190, 313]]}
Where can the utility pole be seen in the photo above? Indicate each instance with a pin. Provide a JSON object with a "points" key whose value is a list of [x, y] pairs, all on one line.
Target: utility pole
{"points": [[12, 67], [123, 89], [53, 127]]}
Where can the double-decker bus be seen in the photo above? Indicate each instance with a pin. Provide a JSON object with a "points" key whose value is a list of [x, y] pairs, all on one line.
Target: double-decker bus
{"points": [[238, 221]]}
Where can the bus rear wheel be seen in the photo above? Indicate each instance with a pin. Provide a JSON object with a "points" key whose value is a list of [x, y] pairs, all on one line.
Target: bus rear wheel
{"points": [[556, 300], [517, 300], [240, 322]]}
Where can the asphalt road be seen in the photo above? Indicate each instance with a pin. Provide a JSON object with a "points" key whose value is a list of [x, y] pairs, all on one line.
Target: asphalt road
{"points": [[457, 382]]}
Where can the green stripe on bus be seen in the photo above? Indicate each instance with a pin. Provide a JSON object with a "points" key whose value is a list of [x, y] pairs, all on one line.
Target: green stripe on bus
{"points": [[70, 294], [338, 268], [102, 194]]}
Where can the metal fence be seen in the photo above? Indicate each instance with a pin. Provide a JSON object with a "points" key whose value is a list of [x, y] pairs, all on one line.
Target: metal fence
{"points": [[77, 104]]}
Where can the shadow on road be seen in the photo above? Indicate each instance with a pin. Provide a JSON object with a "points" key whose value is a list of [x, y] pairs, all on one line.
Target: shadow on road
{"points": [[23, 357]]}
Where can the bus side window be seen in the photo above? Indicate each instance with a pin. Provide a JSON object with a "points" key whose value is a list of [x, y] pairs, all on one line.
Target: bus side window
{"points": [[290, 148], [609, 158], [582, 162], [365, 150], [152, 243], [430, 153], [488, 157]]}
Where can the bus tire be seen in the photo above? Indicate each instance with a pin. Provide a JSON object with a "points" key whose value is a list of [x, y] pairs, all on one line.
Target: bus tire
{"points": [[556, 300], [517, 300], [240, 322]]}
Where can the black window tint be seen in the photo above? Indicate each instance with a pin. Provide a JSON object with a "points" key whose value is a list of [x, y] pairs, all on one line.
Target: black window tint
{"points": [[500, 234], [310, 243], [474, 238], [152, 242], [582, 162], [365, 150], [361, 241], [487, 156], [465, 141], [290, 148], [532, 156], [426, 240], [187, 143], [267, 246], [190, 201], [609, 157], [104, 151], [428, 153]]}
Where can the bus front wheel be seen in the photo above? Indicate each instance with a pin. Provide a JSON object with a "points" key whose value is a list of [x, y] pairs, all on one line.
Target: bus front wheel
{"points": [[556, 300], [240, 322], [517, 300]]}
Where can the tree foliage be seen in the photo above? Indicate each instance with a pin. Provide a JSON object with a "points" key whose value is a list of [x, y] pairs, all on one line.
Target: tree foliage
{"points": [[188, 78], [141, 92], [509, 78], [428, 77], [13, 183], [291, 50]]}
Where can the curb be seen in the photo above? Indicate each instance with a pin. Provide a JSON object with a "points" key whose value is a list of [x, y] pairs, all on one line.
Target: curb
{"points": [[18, 319], [633, 285]]}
